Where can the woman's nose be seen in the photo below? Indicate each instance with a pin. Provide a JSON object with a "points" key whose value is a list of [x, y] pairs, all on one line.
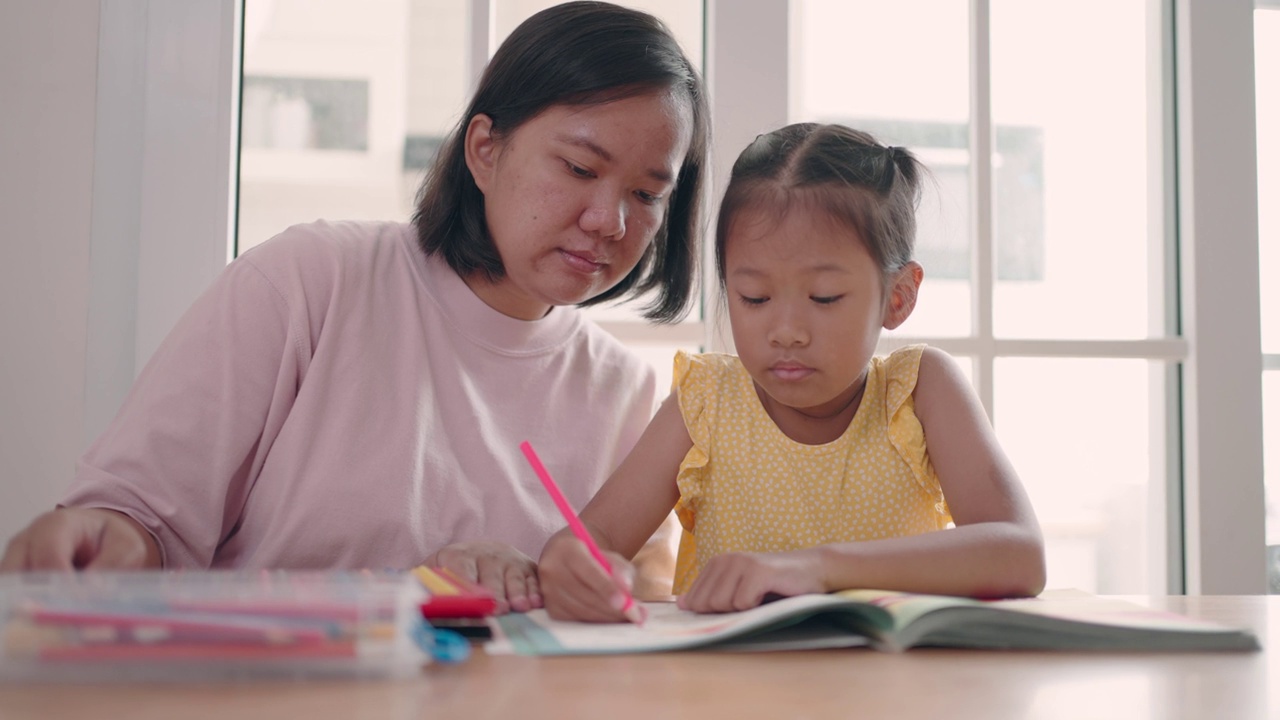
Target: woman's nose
{"points": [[606, 216]]}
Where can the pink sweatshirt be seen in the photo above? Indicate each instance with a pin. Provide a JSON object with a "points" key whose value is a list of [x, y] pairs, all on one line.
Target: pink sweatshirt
{"points": [[337, 399]]}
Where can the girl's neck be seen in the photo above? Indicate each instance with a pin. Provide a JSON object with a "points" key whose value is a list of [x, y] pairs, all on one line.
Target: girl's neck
{"points": [[808, 428]]}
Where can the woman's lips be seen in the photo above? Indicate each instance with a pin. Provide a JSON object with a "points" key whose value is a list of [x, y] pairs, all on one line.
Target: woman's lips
{"points": [[582, 262]]}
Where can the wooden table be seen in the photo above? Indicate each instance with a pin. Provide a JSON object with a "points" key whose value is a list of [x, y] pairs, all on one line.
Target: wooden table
{"points": [[825, 684]]}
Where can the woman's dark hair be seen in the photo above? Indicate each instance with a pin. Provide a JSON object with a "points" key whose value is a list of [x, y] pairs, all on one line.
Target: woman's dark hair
{"points": [[858, 182], [578, 53]]}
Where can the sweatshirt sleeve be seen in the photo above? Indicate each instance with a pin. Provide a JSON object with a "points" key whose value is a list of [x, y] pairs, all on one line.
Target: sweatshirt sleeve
{"points": [[181, 455]]}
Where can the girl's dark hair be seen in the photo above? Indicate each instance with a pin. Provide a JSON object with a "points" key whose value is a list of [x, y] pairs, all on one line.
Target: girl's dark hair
{"points": [[578, 53], [858, 182]]}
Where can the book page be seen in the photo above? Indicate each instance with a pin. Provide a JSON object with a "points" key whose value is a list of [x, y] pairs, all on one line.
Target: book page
{"points": [[891, 621], [667, 628]]}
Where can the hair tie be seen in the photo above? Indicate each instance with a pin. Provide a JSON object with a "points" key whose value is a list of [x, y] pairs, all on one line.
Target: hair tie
{"points": [[892, 153]]}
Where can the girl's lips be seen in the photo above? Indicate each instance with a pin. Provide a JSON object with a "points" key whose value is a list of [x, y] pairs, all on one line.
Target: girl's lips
{"points": [[582, 262], [791, 372]]}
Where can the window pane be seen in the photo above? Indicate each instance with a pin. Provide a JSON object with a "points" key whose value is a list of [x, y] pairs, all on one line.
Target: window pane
{"points": [[342, 105], [918, 98], [683, 17], [1096, 476], [1077, 114]]}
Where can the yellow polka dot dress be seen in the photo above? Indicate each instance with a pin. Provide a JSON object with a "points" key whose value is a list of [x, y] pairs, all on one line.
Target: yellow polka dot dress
{"points": [[747, 487]]}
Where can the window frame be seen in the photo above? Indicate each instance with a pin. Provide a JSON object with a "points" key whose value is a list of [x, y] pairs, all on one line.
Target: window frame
{"points": [[1270, 361], [166, 158]]}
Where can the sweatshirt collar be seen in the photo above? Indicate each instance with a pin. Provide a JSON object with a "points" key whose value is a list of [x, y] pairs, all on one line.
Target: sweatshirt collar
{"points": [[471, 318]]}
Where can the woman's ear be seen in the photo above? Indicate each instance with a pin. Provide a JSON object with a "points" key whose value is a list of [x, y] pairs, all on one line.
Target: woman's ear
{"points": [[902, 294], [480, 150]]}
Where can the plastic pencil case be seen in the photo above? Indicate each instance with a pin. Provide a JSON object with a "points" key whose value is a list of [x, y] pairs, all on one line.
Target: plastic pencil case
{"points": [[210, 625]]}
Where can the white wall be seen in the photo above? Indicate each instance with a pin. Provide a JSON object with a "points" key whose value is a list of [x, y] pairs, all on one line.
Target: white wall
{"points": [[48, 75], [115, 194]]}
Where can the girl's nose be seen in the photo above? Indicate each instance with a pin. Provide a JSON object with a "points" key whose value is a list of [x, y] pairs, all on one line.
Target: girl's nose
{"points": [[606, 216], [788, 330]]}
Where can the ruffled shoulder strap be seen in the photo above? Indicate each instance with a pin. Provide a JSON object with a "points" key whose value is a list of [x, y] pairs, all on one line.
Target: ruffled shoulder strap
{"points": [[697, 380], [906, 434]]}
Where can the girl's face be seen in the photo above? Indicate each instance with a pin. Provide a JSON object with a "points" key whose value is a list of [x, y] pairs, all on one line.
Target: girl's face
{"points": [[806, 304], [574, 196]]}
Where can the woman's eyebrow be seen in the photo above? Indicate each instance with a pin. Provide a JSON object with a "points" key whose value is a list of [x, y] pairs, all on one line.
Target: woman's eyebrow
{"points": [[659, 174]]}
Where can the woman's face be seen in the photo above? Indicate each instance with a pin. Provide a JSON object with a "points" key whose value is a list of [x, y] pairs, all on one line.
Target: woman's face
{"points": [[575, 195]]}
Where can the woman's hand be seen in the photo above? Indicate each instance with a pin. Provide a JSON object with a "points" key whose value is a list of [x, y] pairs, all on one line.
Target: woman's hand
{"points": [[81, 538], [575, 587], [511, 575], [739, 581]]}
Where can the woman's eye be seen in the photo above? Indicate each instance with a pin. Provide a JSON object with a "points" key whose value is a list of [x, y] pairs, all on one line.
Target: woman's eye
{"points": [[579, 171], [825, 299], [752, 300], [648, 198]]}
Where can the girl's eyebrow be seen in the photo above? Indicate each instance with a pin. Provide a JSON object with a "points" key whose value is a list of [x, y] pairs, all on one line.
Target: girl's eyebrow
{"points": [[815, 269], [660, 174]]}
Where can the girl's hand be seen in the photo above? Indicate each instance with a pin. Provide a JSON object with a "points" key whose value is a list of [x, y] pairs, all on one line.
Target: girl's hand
{"points": [[739, 581], [81, 538], [511, 575], [575, 587]]}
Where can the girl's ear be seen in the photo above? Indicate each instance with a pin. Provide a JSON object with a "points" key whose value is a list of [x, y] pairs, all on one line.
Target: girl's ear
{"points": [[480, 150], [902, 294]]}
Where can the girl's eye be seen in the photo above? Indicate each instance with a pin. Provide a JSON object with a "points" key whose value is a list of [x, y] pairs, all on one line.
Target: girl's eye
{"points": [[752, 300], [825, 299]]}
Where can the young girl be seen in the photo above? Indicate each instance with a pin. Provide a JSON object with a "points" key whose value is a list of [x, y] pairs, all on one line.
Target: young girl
{"points": [[804, 464], [351, 395]]}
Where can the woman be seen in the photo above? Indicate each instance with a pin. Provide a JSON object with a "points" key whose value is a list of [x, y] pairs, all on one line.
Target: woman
{"points": [[353, 394]]}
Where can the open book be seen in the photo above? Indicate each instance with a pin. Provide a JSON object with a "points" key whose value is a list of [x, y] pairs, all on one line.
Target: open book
{"points": [[1067, 620]]}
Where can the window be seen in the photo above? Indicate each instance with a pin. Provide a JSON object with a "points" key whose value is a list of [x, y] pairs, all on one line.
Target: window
{"points": [[1071, 187], [1062, 262]]}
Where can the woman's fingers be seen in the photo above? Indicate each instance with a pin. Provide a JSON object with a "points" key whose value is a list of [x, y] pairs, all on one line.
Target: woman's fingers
{"points": [[70, 538], [508, 573]]}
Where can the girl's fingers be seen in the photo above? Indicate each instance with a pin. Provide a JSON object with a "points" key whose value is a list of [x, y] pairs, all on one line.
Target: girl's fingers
{"points": [[721, 597], [588, 574], [582, 607], [696, 598], [725, 585], [577, 588], [751, 590]]}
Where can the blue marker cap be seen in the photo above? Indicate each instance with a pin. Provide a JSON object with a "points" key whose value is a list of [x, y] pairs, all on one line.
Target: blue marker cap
{"points": [[443, 645]]}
